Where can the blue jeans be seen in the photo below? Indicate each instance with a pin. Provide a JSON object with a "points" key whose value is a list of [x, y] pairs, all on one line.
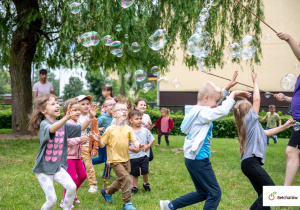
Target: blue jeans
{"points": [[102, 158], [273, 136], [206, 184]]}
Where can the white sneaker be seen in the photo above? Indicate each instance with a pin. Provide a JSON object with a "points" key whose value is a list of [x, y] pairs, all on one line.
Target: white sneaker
{"points": [[61, 205], [76, 200], [164, 205], [93, 189]]}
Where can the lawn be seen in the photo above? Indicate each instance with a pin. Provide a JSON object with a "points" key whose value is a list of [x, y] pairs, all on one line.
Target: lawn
{"points": [[19, 188]]}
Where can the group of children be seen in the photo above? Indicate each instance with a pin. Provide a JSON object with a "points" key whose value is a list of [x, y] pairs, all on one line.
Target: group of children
{"points": [[120, 136]]}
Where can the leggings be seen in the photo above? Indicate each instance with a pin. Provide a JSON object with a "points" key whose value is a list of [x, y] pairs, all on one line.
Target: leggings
{"points": [[166, 137], [75, 167], [63, 178]]}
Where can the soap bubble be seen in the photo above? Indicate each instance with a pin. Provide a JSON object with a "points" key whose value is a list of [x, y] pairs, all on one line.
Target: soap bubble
{"points": [[286, 83], [90, 39], [140, 75], [196, 46], [116, 47], [214, 3], [268, 37], [204, 15], [176, 83], [248, 48], [234, 50], [119, 55], [158, 39], [292, 77], [297, 126], [267, 94], [125, 3], [107, 40], [162, 79], [75, 7], [147, 87], [126, 36], [135, 47], [155, 70], [297, 66], [118, 28], [108, 82]]}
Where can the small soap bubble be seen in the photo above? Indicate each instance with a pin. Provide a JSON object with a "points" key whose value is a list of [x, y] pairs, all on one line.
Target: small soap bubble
{"points": [[214, 3], [286, 83], [297, 126], [89, 39], [140, 75], [75, 7], [158, 39], [268, 37], [108, 82], [116, 47], [119, 55], [147, 87], [107, 40], [135, 47], [162, 79], [267, 94], [155, 70], [297, 66], [125, 3], [292, 77], [118, 28], [126, 36], [176, 83], [234, 50]]}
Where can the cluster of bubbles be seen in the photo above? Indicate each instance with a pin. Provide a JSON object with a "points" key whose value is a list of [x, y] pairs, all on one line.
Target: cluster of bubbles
{"points": [[75, 7], [288, 81], [158, 39], [89, 39], [244, 50], [147, 87], [197, 44]]}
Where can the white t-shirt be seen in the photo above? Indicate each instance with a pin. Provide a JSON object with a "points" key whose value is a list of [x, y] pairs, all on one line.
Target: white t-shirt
{"points": [[87, 131], [146, 118], [42, 88]]}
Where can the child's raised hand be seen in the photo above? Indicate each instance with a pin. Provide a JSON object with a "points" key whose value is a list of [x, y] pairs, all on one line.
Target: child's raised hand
{"points": [[283, 36], [232, 82], [240, 94], [254, 77], [93, 110], [70, 112]]}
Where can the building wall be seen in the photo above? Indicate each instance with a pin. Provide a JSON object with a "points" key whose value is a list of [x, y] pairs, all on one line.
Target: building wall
{"points": [[277, 61]]}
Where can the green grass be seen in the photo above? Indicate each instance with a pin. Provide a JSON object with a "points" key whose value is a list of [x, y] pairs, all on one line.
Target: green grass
{"points": [[5, 131], [19, 187]]}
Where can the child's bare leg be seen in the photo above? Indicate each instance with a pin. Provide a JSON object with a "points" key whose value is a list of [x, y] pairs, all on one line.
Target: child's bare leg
{"points": [[292, 164], [146, 178], [135, 180]]}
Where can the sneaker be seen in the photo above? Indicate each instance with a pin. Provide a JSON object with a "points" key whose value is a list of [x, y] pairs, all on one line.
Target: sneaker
{"points": [[93, 189], [275, 141], [147, 187], [76, 200], [61, 205], [108, 198], [128, 205], [157, 145], [164, 205], [135, 189]]}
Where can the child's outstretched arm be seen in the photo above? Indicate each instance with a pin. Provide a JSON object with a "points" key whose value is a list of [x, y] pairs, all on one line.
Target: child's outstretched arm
{"points": [[57, 125], [133, 149], [256, 95], [279, 121], [263, 119], [274, 131], [92, 113], [293, 44], [232, 82]]}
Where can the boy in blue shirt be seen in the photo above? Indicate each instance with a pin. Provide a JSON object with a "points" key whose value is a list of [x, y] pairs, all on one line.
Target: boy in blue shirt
{"points": [[104, 121], [197, 124]]}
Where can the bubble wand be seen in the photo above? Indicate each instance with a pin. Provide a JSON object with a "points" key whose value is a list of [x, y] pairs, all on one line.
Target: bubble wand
{"points": [[256, 16], [104, 180]]}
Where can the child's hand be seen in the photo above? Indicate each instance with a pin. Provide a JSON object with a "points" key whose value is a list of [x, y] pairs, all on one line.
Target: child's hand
{"points": [[240, 94], [142, 147], [101, 129], [70, 112], [96, 136], [283, 36], [84, 139], [254, 77], [93, 153], [232, 82], [93, 110], [280, 97], [289, 123]]}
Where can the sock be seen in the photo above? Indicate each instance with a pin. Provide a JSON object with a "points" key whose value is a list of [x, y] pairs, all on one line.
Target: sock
{"points": [[145, 183], [171, 206]]}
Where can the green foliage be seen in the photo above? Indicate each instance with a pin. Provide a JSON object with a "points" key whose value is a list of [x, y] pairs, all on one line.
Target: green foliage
{"points": [[150, 96], [4, 83], [73, 88], [5, 119]]}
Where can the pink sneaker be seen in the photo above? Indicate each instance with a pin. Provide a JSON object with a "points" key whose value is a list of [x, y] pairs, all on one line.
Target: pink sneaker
{"points": [[157, 145], [131, 185], [76, 200]]}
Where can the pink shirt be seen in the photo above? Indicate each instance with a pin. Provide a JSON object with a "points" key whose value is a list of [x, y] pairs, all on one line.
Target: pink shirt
{"points": [[165, 125], [42, 88]]}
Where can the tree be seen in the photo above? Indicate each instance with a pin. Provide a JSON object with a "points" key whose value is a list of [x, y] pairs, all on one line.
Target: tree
{"points": [[150, 96], [38, 32], [73, 88]]}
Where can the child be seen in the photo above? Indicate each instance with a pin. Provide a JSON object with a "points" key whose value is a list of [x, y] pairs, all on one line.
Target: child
{"points": [[104, 121], [164, 124], [90, 148], [139, 159], [51, 161], [253, 143], [117, 138], [121, 98], [141, 105], [197, 124], [107, 94], [272, 121], [75, 165]]}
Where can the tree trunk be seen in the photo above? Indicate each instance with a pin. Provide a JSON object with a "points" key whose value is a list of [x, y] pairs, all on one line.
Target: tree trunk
{"points": [[23, 48], [123, 83]]}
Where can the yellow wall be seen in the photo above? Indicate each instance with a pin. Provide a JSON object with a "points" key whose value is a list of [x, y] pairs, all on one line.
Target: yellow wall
{"points": [[278, 59]]}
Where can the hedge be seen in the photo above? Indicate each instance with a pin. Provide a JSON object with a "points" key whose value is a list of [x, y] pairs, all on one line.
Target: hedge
{"points": [[224, 128]]}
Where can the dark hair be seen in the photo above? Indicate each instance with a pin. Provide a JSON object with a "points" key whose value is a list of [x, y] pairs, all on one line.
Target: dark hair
{"points": [[134, 112], [43, 71], [36, 117], [108, 88], [272, 106], [71, 101], [138, 100]]}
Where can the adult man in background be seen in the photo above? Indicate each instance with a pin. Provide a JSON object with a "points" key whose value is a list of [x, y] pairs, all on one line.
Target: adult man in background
{"points": [[42, 86]]}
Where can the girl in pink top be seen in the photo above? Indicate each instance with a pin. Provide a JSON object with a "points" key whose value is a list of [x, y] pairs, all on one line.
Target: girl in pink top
{"points": [[164, 124], [75, 165]]}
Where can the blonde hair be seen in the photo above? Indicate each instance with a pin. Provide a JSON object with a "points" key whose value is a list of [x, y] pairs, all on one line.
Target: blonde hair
{"points": [[71, 101], [36, 117], [208, 88], [240, 110], [167, 111]]}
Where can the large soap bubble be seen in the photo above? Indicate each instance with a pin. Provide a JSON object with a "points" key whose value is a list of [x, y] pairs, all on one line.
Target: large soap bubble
{"points": [[107, 40], [125, 3], [135, 47], [176, 83], [158, 39], [147, 87], [90, 39], [155, 70], [248, 47], [75, 7], [292, 77], [140, 75], [286, 83], [116, 48], [234, 50]]}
